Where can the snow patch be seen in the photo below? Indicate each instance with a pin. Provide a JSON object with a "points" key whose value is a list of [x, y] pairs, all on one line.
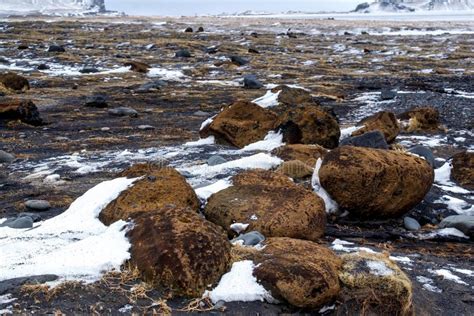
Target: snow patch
{"points": [[378, 268], [330, 204], [205, 192], [239, 285], [448, 275], [428, 284], [268, 100], [271, 141], [74, 245], [203, 141], [166, 74]]}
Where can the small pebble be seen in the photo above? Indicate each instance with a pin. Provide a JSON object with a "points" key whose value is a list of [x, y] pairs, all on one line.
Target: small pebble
{"points": [[411, 223]]}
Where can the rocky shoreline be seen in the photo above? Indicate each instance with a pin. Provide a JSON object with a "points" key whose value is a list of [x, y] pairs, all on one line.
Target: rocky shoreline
{"points": [[365, 134]]}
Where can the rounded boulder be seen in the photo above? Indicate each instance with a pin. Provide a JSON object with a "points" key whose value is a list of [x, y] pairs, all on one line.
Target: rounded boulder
{"points": [[273, 210], [240, 124], [160, 186], [299, 272], [371, 182], [179, 251]]}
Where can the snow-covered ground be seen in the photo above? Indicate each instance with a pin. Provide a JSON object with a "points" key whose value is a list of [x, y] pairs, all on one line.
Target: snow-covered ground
{"points": [[74, 245]]}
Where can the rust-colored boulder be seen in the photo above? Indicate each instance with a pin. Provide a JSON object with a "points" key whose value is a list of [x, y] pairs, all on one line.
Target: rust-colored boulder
{"points": [[316, 125], [307, 154], [372, 284], [160, 186], [11, 82], [299, 272], [241, 123], [295, 169], [422, 119], [261, 177], [137, 66], [292, 96], [463, 169], [273, 210], [178, 250], [371, 182], [23, 110], [384, 121]]}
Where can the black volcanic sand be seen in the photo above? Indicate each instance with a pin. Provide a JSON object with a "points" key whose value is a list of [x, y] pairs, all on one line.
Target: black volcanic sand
{"points": [[346, 72]]}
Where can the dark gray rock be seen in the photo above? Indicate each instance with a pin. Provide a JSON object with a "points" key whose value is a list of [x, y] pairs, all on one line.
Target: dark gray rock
{"points": [[123, 111], [239, 61], [411, 223], [200, 113], [183, 53], [425, 153], [97, 101], [38, 205], [212, 49], [251, 82], [56, 49], [6, 157], [18, 223], [464, 223], [151, 86], [89, 70], [251, 238], [10, 285], [216, 160], [374, 139], [34, 216], [42, 67], [188, 30], [388, 94]]}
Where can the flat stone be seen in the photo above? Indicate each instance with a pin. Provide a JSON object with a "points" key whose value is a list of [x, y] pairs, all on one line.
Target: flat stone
{"points": [[123, 111], [373, 139], [10, 285], [38, 205], [388, 94], [19, 223], [464, 223], [411, 223], [424, 152], [6, 157], [250, 239], [216, 160], [251, 82]]}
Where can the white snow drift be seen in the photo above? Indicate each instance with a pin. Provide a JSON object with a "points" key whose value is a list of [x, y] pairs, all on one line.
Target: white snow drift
{"points": [[74, 245]]}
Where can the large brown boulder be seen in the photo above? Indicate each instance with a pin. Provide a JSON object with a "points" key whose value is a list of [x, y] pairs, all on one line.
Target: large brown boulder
{"points": [[11, 82], [241, 123], [316, 125], [273, 210], [463, 169], [159, 187], [422, 119], [307, 154], [375, 182], [372, 284], [23, 110], [178, 250], [296, 271], [384, 121]]}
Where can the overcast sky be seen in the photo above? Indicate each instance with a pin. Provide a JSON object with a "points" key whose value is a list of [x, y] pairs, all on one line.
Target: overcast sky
{"points": [[192, 7]]}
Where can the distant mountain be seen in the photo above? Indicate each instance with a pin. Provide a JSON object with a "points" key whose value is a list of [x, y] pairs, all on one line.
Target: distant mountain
{"points": [[414, 5], [52, 7]]}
